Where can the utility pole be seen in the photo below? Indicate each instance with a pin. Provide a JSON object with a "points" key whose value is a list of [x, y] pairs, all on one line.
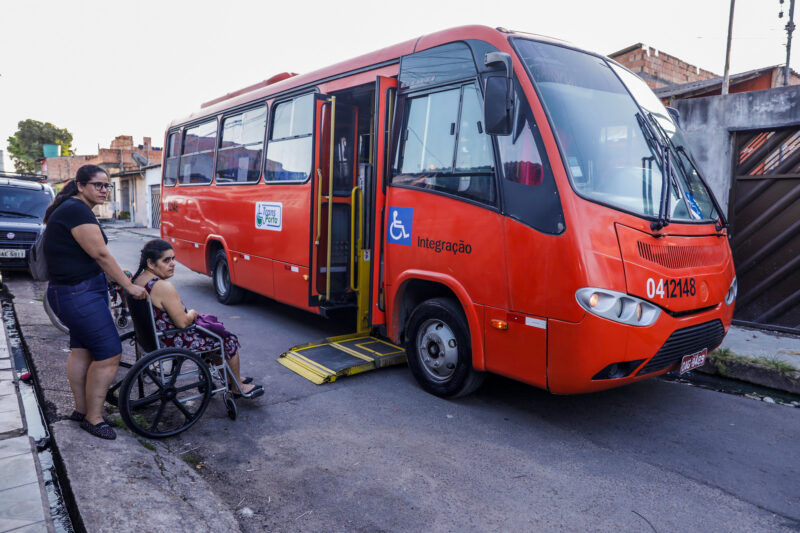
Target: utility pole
{"points": [[789, 29], [726, 75]]}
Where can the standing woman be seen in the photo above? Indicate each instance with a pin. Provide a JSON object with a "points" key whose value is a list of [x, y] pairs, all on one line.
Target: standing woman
{"points": [[77, 262]]}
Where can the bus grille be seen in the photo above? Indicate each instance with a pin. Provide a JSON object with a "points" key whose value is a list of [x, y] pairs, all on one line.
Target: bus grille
{"points": [[684, 342], [681, 256]]}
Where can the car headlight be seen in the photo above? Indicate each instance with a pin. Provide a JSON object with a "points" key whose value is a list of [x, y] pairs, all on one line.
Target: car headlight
{"points": [[617, 306], [734, 289]]}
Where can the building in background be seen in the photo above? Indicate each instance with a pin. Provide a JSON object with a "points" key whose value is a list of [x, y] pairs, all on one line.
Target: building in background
{"points": [[672, 78], [658, 69], [125, 163], [152, 179]]}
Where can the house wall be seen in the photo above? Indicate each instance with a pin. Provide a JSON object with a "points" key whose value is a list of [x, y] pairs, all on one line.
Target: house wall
{"points": [[152, 177], [139, 196], [116, 158], [709, 121], [658, 69]]}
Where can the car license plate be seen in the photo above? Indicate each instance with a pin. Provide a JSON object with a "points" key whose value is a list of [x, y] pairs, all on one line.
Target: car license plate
{"points": [[6, 253], [690, 362]]}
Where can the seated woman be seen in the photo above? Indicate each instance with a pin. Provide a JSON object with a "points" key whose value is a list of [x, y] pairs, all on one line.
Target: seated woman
{"points": [[156, 265]]}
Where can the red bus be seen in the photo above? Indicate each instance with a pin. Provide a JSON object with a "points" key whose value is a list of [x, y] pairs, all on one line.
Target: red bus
{"points": [[493, 201]]}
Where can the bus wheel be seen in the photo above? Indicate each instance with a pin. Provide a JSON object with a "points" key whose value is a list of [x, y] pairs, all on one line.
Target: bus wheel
{"points": [[439, 350], [226, 292]]}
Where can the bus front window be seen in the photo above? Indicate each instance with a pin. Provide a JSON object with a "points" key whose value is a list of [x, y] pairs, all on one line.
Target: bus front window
{"points": [[606, 148]]}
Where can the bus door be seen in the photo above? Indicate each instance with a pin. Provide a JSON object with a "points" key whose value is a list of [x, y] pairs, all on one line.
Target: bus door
{"points": [[385, 93], [345, 192], [332, 273]]}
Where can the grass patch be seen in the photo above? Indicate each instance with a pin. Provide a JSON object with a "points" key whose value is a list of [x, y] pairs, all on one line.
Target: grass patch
{"points": [[118, 422], [192, 459], [39, 298], [724, 355], [149, 445]]}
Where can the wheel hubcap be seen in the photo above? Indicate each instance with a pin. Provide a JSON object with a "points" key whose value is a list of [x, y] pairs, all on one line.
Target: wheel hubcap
{"points": [[438, 350]]}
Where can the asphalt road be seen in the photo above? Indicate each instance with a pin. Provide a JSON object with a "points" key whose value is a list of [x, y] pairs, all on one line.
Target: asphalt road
{"points": [[373, 452]]}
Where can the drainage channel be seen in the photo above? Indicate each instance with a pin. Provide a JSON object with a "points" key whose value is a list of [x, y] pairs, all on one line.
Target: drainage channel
{"points": [[735, 387], [37, 427]]}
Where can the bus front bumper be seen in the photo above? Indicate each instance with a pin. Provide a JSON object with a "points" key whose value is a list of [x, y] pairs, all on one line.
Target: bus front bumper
{"points": [[597, 354]]}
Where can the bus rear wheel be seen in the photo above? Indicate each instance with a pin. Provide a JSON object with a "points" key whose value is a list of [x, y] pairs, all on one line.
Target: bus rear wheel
{"points": [[226, 292], [439, 349]]}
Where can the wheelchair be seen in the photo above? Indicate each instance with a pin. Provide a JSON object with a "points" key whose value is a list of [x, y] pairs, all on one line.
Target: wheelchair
{"points": [[167, 389]]}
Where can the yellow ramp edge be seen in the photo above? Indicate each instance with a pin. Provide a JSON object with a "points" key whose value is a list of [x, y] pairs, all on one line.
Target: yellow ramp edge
{"points": [[299, 363]]}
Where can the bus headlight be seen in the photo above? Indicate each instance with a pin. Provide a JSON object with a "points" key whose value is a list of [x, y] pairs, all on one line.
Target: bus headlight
{"points": [[617, 306], [731, 296]]}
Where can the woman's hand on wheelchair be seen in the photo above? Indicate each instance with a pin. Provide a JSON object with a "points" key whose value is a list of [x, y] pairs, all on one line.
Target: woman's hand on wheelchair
{"points": [[137, 292]]}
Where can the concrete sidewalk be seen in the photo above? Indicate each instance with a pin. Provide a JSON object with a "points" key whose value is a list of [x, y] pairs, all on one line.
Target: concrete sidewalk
{"points": [[23, 500], [130, 484]]}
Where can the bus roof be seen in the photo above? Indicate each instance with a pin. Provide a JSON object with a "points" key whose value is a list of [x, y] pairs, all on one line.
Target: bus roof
{"points": [[288, 81]]}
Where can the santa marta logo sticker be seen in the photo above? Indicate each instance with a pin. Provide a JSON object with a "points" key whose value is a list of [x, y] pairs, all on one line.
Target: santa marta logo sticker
{"points": [[401, 221], [269, 215]]}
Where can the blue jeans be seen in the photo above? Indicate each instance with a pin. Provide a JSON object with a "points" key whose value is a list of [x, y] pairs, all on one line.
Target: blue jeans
{"points": [[83, 308]]}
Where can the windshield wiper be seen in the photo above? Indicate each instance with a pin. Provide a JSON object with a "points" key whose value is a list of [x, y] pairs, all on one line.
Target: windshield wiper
{"points": [[720, 223], [17, 213], [662, 220]]}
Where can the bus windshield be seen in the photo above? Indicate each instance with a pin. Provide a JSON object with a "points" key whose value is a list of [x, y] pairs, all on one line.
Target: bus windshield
{"points": [[612, 148]]}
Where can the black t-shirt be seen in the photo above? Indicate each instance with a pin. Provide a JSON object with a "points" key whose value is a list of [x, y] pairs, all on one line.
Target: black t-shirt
{"points": [[67, 262]]}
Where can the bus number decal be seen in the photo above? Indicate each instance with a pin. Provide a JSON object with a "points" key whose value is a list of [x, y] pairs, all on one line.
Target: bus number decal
{"points": [[269, 215], [671, 288]]}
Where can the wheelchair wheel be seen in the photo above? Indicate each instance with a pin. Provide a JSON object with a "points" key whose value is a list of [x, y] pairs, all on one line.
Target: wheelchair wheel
{"points": [[230, 406], [165, 392], [111, 395]]}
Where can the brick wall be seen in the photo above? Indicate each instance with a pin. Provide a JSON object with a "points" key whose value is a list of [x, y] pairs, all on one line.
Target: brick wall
{"points": [[119, 156], [658, 69]]}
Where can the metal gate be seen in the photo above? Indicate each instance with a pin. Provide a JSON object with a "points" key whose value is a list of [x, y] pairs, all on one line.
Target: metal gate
{"points": [[765, 202], [155, 206]]}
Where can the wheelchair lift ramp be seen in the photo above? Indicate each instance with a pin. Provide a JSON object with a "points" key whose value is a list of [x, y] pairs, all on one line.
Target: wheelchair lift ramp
{"points": [[325, 361]]}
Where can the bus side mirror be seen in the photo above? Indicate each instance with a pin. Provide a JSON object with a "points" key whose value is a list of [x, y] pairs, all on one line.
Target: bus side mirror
{"points": [[498, 96], [498, 105], [675, 114]]}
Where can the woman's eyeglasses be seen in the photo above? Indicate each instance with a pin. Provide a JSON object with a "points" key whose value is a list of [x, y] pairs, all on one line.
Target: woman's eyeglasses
{"points": [[99, 185]]}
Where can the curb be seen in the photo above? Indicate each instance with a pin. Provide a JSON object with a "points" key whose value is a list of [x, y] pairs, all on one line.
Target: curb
{"points": [[752, 372]]}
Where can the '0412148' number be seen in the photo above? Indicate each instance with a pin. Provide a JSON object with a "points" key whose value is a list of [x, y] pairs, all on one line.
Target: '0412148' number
{"points": [[671, 288]]}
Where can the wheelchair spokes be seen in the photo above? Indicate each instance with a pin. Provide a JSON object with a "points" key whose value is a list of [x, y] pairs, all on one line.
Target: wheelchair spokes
{"points": [[165, 392]]}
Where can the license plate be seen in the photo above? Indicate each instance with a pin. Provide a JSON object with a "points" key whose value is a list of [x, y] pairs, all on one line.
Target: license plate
{"points": [[19, 253], [690, 362]]}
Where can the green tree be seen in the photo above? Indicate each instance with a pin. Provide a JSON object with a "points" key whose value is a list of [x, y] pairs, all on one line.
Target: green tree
{"points": [[25, 146]]}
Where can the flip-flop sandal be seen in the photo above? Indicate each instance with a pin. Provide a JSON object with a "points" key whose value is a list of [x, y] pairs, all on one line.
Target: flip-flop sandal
{"points": [[102, 430], [247, 380], [255, 392]]}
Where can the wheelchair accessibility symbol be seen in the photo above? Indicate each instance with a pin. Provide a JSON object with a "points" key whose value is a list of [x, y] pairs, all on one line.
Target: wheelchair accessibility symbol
{"points": [[401, 220]]}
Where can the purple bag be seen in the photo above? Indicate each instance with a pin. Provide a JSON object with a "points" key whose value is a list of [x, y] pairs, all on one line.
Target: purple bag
{"points": [[211, 323]]}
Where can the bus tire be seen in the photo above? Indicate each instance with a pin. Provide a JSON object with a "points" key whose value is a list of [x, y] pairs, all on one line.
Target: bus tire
{"points": [[226, 292], [439, 349]]}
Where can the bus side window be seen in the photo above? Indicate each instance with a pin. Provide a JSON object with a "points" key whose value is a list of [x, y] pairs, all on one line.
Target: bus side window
{"points": [[444, 147], [197, 158], [241, 146], [530, 193], [173, 156], [290, 147]]}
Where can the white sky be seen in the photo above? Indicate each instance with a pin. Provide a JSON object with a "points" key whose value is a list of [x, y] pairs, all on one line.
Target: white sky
{"points": [[102, 68]]}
